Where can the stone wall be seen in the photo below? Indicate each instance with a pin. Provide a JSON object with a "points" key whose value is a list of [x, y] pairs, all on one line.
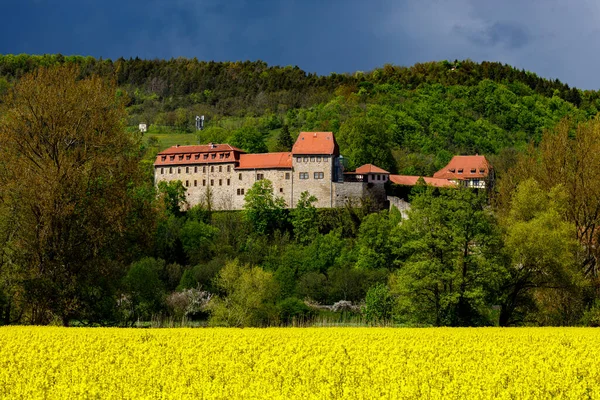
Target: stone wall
{"points": [[244, 179], [318, 171]]}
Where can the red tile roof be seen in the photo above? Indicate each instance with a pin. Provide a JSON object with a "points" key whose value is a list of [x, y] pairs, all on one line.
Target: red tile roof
{"points": [[465, 167], [266, 160], [410, 180], [315, 143], [201, 148], [370, 169], [199, 154]]}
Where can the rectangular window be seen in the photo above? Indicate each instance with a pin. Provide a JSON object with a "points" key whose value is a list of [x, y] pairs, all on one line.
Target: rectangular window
{"points": [[187, 170], [318, 159], [229, 168], [298, 159], [260, 176], [305, 159], [240, 175], [212, 182], [212, 168], [195, 182], [203, 182], [220, 168], [220, 182], [187, 183], [195, 169], [203, 169], [287, 175], [312, 159], [303, 175], [170, 170], [238, 192], [228, 182], [280, 190], [162, 171], [178, 170], [325, 159], [242, 191], [319, 175]]}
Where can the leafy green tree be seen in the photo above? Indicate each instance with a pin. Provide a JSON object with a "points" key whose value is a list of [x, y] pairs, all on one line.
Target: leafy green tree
{"points": [[197, 239], [366, 140], [249, 297], [173, 196], [542, 248], [379, 304], [145, 292], [373, 241], [262, 209], [249, 139], [449, 275], [304, 218], [68, 172]]}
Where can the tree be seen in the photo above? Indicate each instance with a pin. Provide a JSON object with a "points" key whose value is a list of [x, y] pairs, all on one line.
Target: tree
{"points": [[249, 139], [447, 275], [542, 247], [68, 171], [145, 292], [304, 218], [366, 141], [249, 297], [373, 241], [262, 209], [284, 140], [172, 194], [379, 304]]}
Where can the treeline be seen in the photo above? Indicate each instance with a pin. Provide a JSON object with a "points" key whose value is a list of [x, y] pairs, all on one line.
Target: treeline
{"points": [[86, 238], [414, 118]]}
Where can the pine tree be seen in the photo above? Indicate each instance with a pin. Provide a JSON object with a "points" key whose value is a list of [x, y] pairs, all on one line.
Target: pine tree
{"points": [[285, 141]]}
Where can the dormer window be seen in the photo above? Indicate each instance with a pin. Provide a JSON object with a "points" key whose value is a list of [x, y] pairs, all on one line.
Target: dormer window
{"points": [[197, 156], [213, 156], [460, 170], [482, 171], [221, 155], [453, 170], [226, 155], [473, 170], [181, 156], [171, 158], [187, 157], [163, 158], [205, 156]]}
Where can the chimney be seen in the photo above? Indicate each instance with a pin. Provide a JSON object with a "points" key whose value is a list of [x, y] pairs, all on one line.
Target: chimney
{"points": [[176, 145], [315, 135]]}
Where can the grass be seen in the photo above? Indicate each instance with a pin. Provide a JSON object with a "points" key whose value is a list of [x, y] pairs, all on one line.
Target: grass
{"points": [[167, 140]]}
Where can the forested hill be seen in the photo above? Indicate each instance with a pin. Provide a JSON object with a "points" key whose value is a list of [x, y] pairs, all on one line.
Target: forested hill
{"points": [[406, 119]]}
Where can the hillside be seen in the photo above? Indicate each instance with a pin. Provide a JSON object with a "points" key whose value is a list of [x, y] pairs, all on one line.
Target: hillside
{"points": [[406, 119]]}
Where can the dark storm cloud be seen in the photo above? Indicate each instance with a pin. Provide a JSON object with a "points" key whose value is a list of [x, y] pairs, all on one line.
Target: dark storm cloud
{"points": [[552, 38]]}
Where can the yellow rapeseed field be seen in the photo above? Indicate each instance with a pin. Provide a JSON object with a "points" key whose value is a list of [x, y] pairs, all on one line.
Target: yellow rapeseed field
{"points": [[299, 363]]}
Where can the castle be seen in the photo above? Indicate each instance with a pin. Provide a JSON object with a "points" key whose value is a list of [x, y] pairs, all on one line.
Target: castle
{"points": [[220, 175]]}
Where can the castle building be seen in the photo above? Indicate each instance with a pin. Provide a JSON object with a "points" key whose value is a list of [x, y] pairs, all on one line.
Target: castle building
{"points": [[221, 175], [470, 171]]}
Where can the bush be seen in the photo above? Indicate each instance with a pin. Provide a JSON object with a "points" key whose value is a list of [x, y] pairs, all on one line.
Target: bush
{"points": [[294, 310]]}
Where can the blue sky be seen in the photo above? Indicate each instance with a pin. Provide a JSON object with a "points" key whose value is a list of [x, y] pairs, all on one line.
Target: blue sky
{"points": [[555, 39]]}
